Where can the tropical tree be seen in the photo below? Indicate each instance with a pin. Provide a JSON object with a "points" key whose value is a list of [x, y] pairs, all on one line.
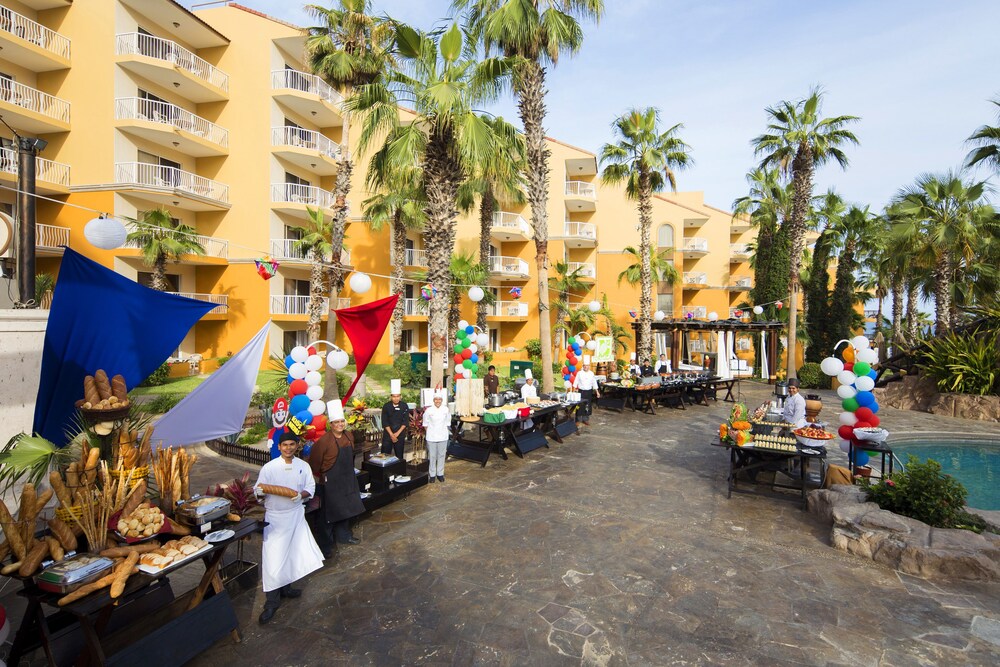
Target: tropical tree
{"points": [[618, 333], [644, 158], [567, 281], [853, 229], [535, 33], [798, 140], [986, 142], [661, 266], [160, 238], [315, 245], [446, 136], [817, 292], [465, 271]]}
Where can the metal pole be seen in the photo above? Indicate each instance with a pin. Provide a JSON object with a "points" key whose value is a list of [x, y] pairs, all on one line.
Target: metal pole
{"points": [[27, 234]]}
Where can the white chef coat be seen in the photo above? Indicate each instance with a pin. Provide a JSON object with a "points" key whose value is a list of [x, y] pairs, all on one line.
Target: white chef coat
{"points": [[585, 380], [529, 391], [289, 551], [437, 423], [794, 410], [663, 366]]}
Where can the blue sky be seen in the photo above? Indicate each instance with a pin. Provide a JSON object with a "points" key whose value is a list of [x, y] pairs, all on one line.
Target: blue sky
{"points": [[919, 74]]}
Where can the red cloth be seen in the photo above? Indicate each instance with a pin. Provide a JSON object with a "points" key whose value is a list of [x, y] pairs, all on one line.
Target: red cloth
{"points": [[365, 325]]}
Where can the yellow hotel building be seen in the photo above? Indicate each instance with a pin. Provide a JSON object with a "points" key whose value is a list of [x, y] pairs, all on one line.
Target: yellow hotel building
{"points": [[212, 115]]}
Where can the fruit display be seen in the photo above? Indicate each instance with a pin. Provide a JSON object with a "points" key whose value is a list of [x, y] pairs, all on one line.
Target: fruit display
{"points": [[742, 438], [738, 413], [741, 425], [813, 433]]}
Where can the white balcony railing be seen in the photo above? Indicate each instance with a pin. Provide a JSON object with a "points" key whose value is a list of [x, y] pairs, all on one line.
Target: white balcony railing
{"points": [[137, 44], [742, 282], [307, 83], [696, 244], [289, 304], [135, 108], [739, 250], [294, 193], [172, 178], [508, 266], [583, 269], [415, 257], [221, 299], [46, 171], [36, 33], [414, 307], [691, 278], [587, 230], [502, 220], [508, 309], [288, 249], [701, 312], [28, 98], [581, 189], [51, 236], [308, 139]]}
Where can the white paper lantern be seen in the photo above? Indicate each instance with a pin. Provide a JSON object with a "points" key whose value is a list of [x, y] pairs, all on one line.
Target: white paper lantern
{"points": [[337, 359], [860, 342], [869, 356], [482, 340], [659, 315], [713, 316], [299, 354], [467, 373], [758, 310], [846, 391], [360, 282], [864, 383], [313, 362], [316, 408], [848, 418], [462, 324], [314, 393], [476, 294], [105, 233], [591, 344], [846, 377], [297, 371], [313, 378], [595, 306], [831, 366]]}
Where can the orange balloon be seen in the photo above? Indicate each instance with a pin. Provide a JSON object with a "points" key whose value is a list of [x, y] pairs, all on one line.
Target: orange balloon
{"points": [[848, 354]]}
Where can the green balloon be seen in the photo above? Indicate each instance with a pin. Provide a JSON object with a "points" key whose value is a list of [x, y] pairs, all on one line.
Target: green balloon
{"points": [[467, 363], [458, 348], [461, 334], [850, 404], [466, 343], [862, 368]]}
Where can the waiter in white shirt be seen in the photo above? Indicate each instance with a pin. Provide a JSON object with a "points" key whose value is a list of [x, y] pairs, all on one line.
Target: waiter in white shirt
{"points": [[663, 366], [794, 410], [586, 384], [528, 389]]}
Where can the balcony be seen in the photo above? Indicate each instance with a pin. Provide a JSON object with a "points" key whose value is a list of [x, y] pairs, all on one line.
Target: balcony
{"points": [[740, 283], [170, 185], [415, 309], [172, 67], [509, 227], [739, 224], [309, 96], [290, 304], [216, 250], [511, 311], [580, 234], [287, 250], [307, 149], [694, 280], [739, 252], [170, 126], [49, 240], [296, 200], [580, 196], [585, 270], [509, 268], [31, 110], [221, 299], [30, 44], [51, 178], [694, 248], [697, 312], [415, 258]]}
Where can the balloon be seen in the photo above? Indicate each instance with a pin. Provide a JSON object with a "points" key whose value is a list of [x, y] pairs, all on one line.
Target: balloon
{"points": [[846, 377], [474, 348], [337, 359], [849, 366], [874, 420], [874, 406], [848, 354], [298, 370], [458, 348], [846, 391], [846, 432], [757, 310], [459, 368], [289, 379], [566, 377], [860, 343], [862, 424], [850, 404], [289, 361], [659, 315], [469, 330], [864, 414], [313, 363], [466, 343], [305, 417], [864, 383], [316, 407], [713, 316], [779, 305], [462, 324], [314, 393], [848, 418], [865, 398], [565, 371], [591, 344], [476, 294], [467, 374], [313, 378], [360, 282], [466, 353], [467, 363], [474, 358], [873, 374], [861, 368], [482, 340], [861, 458], [298, 404], [869, 356], [311, 350], [832, 366], [845, 445], [297, 387], [572, 368], [299, 354], [458, 359], [319, 422]]}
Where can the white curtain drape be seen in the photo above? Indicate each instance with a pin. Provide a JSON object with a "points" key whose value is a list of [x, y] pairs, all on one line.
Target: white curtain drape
{"points": [[763, 357], [722, 357]]}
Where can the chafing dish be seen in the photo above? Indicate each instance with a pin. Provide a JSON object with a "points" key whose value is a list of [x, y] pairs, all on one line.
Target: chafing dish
{"points": [[73, 572], [201, 509]]}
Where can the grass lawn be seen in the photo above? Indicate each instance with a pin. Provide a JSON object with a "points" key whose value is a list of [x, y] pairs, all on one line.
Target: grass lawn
{"points": [[184, 386]]}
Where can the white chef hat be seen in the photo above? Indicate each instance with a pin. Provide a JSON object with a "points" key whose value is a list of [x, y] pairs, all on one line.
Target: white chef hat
{"points": [[395, 386], [440, 393], [631, 356], [586, 360], [335, 409], [527, 374]]}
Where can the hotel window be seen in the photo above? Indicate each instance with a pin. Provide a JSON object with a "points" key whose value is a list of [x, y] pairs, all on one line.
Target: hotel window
{"points": [[294, 339], [665, 302], [406, 340], [494, 340], [665, 236]]}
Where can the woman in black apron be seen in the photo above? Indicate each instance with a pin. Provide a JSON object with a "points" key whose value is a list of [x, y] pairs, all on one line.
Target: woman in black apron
{"points": [[338, 485]]}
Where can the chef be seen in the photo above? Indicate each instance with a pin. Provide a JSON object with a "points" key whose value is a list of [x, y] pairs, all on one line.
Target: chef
{"points": [[437, 424], [633, 367], [794, 410], [528, 389], [289, 552], [647, 370], [586, 384], [663, 366], [395, 421], [341, 496], [491, 383]]}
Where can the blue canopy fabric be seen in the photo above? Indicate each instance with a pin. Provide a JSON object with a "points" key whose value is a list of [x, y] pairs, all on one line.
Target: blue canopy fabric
{"points": [[100, 319]]}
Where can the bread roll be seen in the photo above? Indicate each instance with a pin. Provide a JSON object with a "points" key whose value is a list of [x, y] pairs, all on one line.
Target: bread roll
{"points": [[90, 393]]}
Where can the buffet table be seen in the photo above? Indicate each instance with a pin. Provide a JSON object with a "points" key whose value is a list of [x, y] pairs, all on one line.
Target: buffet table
{"points": [[751, 460], [496, 437]]}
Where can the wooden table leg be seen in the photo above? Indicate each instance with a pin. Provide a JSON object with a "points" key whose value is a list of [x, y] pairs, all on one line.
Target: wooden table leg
{"points": [[93, 643], [211, 579]]}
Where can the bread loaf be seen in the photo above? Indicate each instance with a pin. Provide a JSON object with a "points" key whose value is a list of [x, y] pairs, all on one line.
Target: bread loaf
{"points": [[33, 559], [90, 393], [277, 490], [63, 533], [55, 548], [12, 530], [118, 388], [103, 384], [62, 493]]}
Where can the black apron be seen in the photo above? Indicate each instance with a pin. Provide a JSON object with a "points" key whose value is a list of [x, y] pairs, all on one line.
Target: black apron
{"points": [[586, 397], [341, 497], [394, 419]]}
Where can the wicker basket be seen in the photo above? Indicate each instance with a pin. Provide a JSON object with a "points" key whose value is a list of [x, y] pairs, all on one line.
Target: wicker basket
{"points": [[135, 475], [98, 416], [67, 514]]}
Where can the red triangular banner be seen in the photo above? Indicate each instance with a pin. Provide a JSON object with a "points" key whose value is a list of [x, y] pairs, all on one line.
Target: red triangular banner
{"points": [[365, 326]]}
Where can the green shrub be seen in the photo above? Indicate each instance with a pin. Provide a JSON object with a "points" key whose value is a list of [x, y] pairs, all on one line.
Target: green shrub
{"points": [[402, 369], [162, 403], [533, 347], [254, 434], [812, 376], [344, 381], [223, 360], [963, 364], [157, 377], [921, 491]]}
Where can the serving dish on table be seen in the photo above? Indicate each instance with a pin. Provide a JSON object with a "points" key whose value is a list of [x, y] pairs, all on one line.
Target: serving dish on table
{"points": [[871, 434], [199, 510], [73, 572], [813, 437], [172, 554]]}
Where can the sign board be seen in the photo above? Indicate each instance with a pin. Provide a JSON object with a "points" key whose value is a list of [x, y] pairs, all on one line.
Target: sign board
{"points": [[605, 351]]}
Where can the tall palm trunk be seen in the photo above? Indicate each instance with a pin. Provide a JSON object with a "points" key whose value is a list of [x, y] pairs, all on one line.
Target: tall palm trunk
{"points": [[397, 286], [942, 293], [645, 270], [912, 319], [338, 225], [802, 172], [897, 313], [530, 88], [486, 210], [317, 290], [159, 279]]}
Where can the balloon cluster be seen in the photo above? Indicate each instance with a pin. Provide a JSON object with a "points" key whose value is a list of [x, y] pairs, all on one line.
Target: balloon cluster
{"points": [[467, 345], [857, 380], [428, 292], [575, 346], [632, 313], [303, 411], [515, 293]]}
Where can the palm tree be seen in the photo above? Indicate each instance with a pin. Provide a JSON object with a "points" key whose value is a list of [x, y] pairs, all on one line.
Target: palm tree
{"points": [[644, 159], [661, 267], [159, 238], [536, 32], [853, 229], [817, 292], [446, 137], [315, 245], [465, 271], [799, 139], [616, 331], [566, 281], [987, 144]]}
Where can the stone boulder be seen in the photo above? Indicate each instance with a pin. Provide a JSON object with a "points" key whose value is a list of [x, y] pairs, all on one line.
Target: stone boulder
{"points": [[919, 392]]}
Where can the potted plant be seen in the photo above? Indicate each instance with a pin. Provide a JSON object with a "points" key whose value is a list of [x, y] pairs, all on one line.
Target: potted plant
{"points": [[237, 573], [357, 422], [416, 429]]}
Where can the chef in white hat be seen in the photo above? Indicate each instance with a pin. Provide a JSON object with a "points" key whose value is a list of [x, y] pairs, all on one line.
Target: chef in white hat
{"points": [[586, 384], [437, 428], [395, 421], [528, 389]]}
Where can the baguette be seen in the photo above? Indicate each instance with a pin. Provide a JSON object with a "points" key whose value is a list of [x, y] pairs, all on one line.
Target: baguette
{"points": [[63, 533], [118, 388], [62, 493], [123, 573], [33, 559], [277, 490], [42, 501], [86, 590], [134, 499], [103, 384], [55, 548], [4, 549], [90, 393], [11, 530], [178, 528], [25, 518], [10, 569], [122, 552]]}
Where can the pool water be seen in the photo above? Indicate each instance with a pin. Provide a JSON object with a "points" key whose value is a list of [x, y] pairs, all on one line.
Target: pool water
{"points": [[975, 465]]}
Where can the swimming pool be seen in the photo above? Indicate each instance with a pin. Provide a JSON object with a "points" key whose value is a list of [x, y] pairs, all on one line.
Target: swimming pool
{"points": [[975, 464]]}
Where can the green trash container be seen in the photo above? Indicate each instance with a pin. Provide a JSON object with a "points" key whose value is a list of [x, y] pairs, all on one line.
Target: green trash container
{"points": [[517, 368]]}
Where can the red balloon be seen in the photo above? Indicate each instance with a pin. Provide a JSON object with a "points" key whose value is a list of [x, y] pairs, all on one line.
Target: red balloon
{"points": [[848, 365], [846, 432], [466, 353], [571, 358], [458, 358], [565, 370], [863, 424], [311, 350], [319, 422], [864, 414], [297, 387], [874, 420]]}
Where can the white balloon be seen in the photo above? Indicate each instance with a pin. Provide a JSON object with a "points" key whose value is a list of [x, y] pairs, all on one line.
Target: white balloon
{"points": [[314, 362], [831, 366], [869, 356], [298, 371], [313, 378], [482, 340], [864, 383], [848, 418], [476, 294], [845, 445], [360, 282], [659, 315], [316, 408], [337, 359], [757, 310], [299, 354], [459, 369], [473, 348], [846, 391], [713, 316], [591, 344], [859, 343], [467, 373], [846, 377], [462, 324], [314, 393], [594, 306]]}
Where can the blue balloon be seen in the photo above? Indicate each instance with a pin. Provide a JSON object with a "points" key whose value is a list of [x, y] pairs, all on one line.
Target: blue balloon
{"points": [[278, 432], [571, 368], [474, 358], [304, 416], [290, 379], [566, 377], [873, 407], [470, 330], [860, 458], [865, 398], [289, 361], [298, 404], [576, 349], [873, 374], [306, 450]]}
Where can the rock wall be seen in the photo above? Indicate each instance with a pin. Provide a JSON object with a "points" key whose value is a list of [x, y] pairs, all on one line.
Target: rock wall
{"points": [[919, 392], [904, 544]]}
